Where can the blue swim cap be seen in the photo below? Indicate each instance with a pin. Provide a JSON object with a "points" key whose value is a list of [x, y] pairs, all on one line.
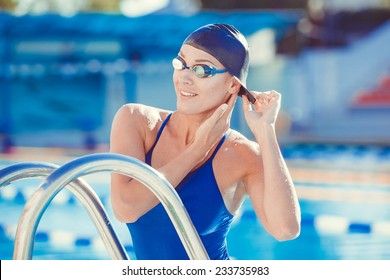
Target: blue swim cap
{"points": [[227, 45]]}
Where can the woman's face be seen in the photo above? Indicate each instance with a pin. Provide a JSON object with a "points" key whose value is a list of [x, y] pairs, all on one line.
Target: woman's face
{"points": [[201, 95]]}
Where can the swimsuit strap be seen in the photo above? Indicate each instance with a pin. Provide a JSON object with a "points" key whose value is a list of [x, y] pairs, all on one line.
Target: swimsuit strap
{"points": [[220, 144], [161, 130]]}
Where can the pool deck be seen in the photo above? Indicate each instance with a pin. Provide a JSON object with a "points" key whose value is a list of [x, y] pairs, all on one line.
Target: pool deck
{"points": [[48, 154]]}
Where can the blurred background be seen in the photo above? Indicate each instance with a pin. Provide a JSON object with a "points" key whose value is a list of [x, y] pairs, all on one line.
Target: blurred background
{"points": [[67, 66]]}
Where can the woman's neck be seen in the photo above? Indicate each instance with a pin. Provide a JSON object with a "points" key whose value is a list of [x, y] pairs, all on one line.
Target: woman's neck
{"points": [[184, 127]]}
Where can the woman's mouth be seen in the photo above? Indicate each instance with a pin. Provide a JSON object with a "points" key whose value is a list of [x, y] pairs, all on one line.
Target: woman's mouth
{"points": [[187, 94]]}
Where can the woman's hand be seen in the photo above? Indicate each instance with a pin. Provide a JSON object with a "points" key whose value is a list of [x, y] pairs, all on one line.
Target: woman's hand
{"points": [[265, 111], [211, 131]]}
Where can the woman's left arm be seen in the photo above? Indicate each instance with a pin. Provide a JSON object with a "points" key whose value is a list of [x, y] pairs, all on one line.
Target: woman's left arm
{"points": [[271, 188]]}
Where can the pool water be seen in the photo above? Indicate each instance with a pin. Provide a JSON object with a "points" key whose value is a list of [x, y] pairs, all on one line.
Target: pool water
{"points": [[333, 227]]}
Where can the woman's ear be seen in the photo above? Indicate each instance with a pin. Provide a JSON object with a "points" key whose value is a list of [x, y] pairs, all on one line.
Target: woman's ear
{"points": [[234, 86]]}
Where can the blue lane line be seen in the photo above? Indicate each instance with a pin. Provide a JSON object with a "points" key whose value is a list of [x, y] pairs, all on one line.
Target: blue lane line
{"points": [[51, 237]]}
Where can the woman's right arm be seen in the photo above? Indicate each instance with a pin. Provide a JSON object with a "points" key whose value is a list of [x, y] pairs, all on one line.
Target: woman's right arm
{"points": [[127, 138], [129, 198], [132, 129]]}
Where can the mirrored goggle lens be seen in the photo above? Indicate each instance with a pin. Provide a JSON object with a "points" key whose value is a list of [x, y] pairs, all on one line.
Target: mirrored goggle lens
{"points": [[199, 71], [177, 64]]}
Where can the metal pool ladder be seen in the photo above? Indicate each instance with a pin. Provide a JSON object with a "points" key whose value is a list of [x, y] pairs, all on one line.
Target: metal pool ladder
{"points": [[68, 175]]}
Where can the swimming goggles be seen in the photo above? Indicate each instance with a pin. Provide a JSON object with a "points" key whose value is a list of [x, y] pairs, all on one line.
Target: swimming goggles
{"points": [[201, 71]]}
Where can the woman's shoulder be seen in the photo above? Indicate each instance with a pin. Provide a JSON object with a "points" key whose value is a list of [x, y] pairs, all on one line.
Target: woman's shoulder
{"points": [[241, 149], [142, 115], [242, 144], [143, 111], [137, 120]]}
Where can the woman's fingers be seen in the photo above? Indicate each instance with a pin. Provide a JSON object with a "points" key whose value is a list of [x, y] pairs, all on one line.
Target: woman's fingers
{"points": [[264, 99], [221, 110], [230, 103], [246, 106]]}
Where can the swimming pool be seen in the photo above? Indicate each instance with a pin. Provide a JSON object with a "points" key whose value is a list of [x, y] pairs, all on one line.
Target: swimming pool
{"points": [[344, 195]]}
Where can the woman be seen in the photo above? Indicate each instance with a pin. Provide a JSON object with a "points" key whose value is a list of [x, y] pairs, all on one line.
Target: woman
{"points": [[212, 167]]}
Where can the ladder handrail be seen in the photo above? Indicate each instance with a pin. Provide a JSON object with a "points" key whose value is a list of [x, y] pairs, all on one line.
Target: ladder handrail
{"points": [[25, 170], [83, 192], [93, 163]]}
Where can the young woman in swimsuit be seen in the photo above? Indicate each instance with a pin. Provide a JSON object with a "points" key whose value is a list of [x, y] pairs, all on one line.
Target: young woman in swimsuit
{"points": [[212, 167]]}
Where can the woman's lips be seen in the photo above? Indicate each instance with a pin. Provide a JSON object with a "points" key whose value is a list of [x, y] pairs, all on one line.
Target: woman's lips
{"points": [[187, 94]]}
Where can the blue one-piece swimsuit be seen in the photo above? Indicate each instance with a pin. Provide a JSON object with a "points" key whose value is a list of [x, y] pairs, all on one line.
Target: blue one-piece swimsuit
{"points": [[154, 236]]}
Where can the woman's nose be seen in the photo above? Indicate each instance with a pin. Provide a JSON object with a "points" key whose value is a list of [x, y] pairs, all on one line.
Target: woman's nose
{"points": [[186, 76]]}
